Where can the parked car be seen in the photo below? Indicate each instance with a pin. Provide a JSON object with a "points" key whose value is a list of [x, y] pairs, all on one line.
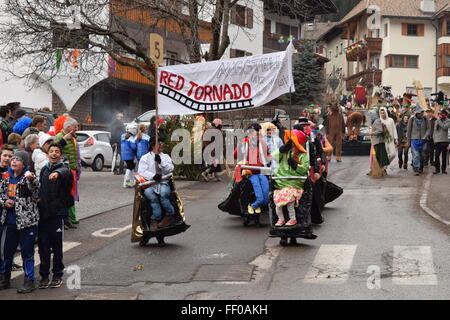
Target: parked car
{"points": [[95, 149], [142, 119]]}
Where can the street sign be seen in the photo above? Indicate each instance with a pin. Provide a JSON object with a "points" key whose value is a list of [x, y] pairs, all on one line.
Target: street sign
{"points": [[156, 48]]}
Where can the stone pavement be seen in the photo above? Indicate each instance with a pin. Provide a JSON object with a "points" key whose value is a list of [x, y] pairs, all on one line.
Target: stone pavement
{"points": [[439, 195], [103, 191]]}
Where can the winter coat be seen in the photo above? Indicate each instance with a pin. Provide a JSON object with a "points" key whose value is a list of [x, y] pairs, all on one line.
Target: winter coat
{"points": [[40, 159], [25, 203], [128, 148], [377, 132], [441, 128], [416, 133], [147, 165], [55, 196], [143, 145], [70, 150], [117, 129], [21, 125], [402, 130], [285, 170], [4, 126]]}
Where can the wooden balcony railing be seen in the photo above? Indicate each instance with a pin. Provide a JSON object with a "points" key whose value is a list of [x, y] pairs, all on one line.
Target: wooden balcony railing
{"points": [[365, 78], [374, 45], [443, 72]]}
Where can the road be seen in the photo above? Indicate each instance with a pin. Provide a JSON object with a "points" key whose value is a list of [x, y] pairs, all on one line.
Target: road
{"points": [[376, 243]]}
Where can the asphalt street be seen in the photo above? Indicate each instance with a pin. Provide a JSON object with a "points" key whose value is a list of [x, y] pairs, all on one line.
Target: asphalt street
{"points": [[376, 243]]}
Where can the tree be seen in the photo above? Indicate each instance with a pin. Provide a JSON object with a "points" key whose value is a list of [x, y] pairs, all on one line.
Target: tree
{"points": [[308, 77], [36, 32]]}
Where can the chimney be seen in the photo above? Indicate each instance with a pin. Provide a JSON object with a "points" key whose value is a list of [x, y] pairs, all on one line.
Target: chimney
{"points": [[428, 6]]}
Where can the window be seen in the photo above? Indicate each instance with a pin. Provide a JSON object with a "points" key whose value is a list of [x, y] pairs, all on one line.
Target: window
{"points": [[267, 26], [103, 137], [447, 60], [400, 61], [386, 30], [235, 53], [448, 27], [294, 32], [172, 58], [409, 29], [81, 137], [242, 16], [70, 39], [283, 29]]}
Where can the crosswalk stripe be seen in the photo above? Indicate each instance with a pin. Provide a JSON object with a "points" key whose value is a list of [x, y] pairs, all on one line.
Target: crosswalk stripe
{"points": [[413, 265], [67, 245], [331, 264]]}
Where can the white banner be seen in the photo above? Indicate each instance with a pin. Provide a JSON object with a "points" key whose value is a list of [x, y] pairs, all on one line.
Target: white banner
{"points": [[225, 85]]}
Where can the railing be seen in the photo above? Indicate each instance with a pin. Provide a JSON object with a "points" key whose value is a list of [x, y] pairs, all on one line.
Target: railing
{"points": [[365, 78], [374, 45], [270, 41]]}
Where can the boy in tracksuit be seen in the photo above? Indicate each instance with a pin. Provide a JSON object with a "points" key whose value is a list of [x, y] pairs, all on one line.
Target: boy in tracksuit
{"points": [[55, 199], [19, 195]]}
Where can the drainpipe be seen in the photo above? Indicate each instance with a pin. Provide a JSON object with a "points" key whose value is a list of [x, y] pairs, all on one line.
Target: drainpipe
{"points": [[437, 53]]}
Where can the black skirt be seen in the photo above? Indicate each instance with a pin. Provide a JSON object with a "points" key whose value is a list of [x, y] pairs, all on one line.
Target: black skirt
{"points": [[381, 153]]}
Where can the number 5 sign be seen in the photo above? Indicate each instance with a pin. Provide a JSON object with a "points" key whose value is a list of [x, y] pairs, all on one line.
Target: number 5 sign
{"points": [[156, 48]]}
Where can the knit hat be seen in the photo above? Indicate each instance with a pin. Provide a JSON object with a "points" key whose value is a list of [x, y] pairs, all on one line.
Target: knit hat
{"points": [[22, 156], [19, 113], [44, 138], [418, 109]]}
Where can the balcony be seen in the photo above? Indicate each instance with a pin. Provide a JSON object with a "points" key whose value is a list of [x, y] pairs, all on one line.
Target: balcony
{"points": [[367, 77], [443, 72], [270, 41], [374, 45]]}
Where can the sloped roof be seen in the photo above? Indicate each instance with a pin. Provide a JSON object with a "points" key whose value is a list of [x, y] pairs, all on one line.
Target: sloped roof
{"points": [[320, 28], [394, 8]]}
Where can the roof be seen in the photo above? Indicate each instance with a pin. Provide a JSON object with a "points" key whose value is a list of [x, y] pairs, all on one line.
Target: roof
{"points": [[394, 8], [328, 33], [302, 11], [320, 28]]}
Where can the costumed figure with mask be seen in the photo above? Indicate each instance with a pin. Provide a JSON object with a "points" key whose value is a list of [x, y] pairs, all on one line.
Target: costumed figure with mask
{"points": [[391, 140]]}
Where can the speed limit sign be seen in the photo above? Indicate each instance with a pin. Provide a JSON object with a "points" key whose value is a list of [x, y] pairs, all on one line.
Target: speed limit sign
{"points": [[156, 48]]}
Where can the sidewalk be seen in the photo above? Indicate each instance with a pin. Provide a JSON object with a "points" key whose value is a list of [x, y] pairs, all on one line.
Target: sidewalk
{"points": [[439, 195], [103, 191]]}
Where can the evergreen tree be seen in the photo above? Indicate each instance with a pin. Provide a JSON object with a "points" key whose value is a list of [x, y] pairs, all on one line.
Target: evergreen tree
{"points": [[308, 77]]}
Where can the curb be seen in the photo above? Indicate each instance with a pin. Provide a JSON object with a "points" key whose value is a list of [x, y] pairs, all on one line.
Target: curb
{"points": [[424, 200], [129, 204]]}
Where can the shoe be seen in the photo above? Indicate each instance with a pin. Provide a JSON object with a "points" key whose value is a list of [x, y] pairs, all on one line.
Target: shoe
{"points": [[250, 210], [400, 165], [291, 222], [205, 177], [258, 210], [417, 174], [16, 267], [166, 221], [4, 283], [28, 286], [153, 225], [125, 184], [339, 159], [56, 282], [280, 223], [130, 184], [44, 283], [444, 172], [405, 166], [70, 225]]}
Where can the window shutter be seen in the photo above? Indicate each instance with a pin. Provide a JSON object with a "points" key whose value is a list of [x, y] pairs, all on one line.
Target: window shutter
{"points": [[233, 53], [421, 30], [233, 15], [404, 29], [249, 22]]}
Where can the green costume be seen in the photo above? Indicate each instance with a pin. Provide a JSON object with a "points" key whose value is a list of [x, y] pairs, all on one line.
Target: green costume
{"points": [[285, 170]]}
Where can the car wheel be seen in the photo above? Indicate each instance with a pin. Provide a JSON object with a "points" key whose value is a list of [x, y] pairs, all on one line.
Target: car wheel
{"points": [[97, 164]]}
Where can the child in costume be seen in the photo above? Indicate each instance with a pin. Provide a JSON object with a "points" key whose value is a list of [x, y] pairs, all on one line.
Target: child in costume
{"points": [[293, 161]]}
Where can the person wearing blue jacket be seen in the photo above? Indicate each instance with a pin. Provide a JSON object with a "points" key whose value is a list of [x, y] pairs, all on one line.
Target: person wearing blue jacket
{"points": [[142, 142], [128, 154], [22, 125]]}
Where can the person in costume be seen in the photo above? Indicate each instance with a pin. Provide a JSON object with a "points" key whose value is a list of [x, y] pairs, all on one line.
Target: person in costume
{"points": [[440, 137], [403, 147], [255, 153], [336, 130], [430, 150], [391, 140], [379, 158], [418, 132], [293, 162], [354, 122], [128, 154], [214, 167]]}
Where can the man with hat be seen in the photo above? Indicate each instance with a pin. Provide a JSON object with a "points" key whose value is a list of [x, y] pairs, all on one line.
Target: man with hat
{"points": [[19, 195], [440, 138], [429, 151], [418, 132]]}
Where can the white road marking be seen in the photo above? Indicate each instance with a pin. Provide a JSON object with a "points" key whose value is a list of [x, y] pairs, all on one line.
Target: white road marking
{"points": [[331, 264], [413, 265], [110, 232], [67, 245]]}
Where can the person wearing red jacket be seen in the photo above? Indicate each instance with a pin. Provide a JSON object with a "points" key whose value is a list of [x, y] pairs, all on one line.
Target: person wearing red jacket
{"points": [[256, 153]]}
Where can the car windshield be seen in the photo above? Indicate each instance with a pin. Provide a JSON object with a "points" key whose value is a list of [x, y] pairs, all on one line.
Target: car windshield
{"points": [[146, 116], [81, 137]]}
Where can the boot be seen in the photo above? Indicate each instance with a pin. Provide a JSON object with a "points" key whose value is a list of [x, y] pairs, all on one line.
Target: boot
{"points": [[400, 164], [153, 225], [338, 159], [28, 286], [405, 166], [166, 221], [4, 282]]}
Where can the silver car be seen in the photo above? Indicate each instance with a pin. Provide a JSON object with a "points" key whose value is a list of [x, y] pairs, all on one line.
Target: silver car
{"points": [[95, 149]]}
